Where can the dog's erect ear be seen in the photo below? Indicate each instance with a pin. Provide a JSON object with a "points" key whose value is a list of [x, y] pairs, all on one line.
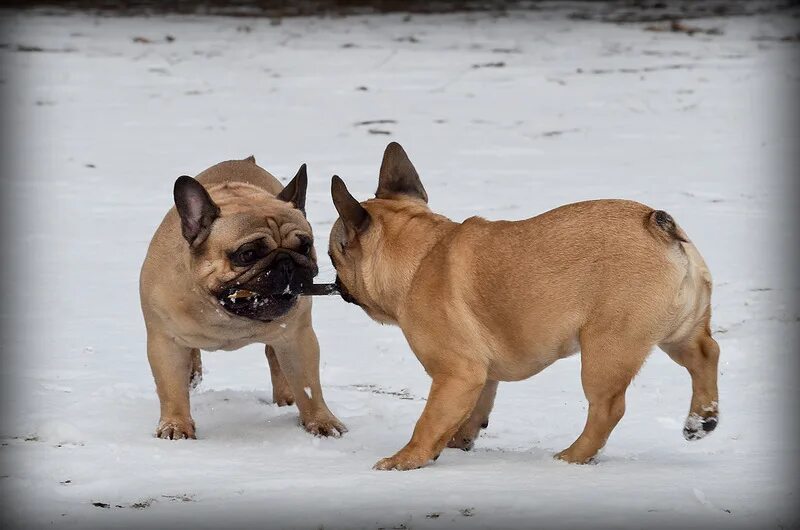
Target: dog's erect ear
{"points": [[196, 209], [295, 191], [354, 216], [398, 176]]}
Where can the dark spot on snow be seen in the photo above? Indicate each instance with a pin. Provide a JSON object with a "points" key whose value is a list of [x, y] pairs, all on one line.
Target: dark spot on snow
{"points": [[379, 131], [467, 512], [558, 133], [25, 48], [181, 497], [349, 45], [498, 64], [403, 393], [66, 482], [785, 38], [362, 88], [374, 122], [676, 26], [91, 166], [433, 515], [101, 504], [411, 38], [141, 505]]}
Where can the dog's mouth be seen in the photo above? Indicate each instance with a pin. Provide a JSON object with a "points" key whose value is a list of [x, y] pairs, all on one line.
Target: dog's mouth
{"points": [[257, 306], [268, 293]]}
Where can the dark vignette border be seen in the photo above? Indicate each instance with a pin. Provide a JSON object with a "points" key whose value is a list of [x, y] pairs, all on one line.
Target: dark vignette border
{"points": [[616, 11]]}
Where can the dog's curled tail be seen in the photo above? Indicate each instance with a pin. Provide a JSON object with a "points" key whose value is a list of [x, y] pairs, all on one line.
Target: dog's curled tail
{"points": [[663, 226]]}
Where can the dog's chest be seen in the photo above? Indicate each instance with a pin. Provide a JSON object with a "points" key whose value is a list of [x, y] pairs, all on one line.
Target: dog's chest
{"points": [[211, 342], [519, 362], [212, 330]]}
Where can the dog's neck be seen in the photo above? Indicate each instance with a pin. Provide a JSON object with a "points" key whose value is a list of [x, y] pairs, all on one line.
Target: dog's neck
{"points": [[407, 236]]}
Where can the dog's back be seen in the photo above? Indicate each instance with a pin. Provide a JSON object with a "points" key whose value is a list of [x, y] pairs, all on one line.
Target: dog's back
{"points": [[245, 170]]}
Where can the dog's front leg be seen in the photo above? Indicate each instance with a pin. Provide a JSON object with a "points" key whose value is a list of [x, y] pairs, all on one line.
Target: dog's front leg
{"points": [[299, 360], [466, 435], [451, 400], [172, 369]]}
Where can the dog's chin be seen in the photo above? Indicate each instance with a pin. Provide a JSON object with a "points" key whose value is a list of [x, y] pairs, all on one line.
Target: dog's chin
{"points": [[344, 293], [257, 306]]}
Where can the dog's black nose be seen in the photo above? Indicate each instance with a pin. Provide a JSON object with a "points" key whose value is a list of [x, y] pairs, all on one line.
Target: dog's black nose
{"points": [[286, 266]]}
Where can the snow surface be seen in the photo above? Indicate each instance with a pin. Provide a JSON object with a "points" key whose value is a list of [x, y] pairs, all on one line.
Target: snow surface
{"points": [[101, 126]]}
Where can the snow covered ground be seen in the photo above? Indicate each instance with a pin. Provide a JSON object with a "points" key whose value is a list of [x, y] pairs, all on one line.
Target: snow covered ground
{"points": [[504, 117]]}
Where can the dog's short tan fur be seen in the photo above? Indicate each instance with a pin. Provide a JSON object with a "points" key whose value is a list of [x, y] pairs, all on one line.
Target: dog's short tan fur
{"points": [[481, 302], [178, 283]]}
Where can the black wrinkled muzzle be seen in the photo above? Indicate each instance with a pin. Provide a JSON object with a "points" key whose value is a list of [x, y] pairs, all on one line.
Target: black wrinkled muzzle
{"points": [[269, 289]]}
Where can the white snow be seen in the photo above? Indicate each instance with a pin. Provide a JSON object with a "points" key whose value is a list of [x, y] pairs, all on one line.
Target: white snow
{"points": [[101, 127]]}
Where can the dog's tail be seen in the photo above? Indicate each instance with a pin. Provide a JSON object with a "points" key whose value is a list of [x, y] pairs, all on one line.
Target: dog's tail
{"points": [[663, 226]]}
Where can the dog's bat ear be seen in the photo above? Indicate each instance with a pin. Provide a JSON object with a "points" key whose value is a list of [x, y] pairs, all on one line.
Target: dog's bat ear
{"points": [[295, 191], [195, 208], [398, 176], [354, 216]]}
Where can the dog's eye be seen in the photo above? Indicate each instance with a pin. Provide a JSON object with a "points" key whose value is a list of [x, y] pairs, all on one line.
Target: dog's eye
{"points": [[247, 254]]}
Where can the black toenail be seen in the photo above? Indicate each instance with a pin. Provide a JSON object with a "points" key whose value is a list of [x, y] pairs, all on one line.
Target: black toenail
{"points": [[485, 424], [709, 424]]}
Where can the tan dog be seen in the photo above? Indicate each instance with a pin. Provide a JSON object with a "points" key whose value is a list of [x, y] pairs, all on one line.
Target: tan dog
{"points": [[481, 302], [224, 270]]}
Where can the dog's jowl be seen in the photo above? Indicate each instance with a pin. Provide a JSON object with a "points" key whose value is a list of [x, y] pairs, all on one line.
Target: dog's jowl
{"points": [[481, 302], [225, 269]]}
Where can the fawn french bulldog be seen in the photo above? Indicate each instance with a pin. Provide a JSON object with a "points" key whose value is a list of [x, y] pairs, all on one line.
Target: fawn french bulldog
{"points": [[225, 269], [487, 301]]}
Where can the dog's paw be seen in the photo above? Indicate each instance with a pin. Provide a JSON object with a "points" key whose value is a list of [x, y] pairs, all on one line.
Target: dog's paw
{"points": [[176, 429], [573, 457], [404, 460], [283, 397], [698, 427], [324, 426], [465, 443], [466, 435]]}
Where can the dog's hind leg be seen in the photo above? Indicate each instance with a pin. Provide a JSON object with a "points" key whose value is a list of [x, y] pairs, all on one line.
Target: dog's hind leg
{"points": [[196, 374], [608, 365], [699, 354], [281, 392], [466, 435]]}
